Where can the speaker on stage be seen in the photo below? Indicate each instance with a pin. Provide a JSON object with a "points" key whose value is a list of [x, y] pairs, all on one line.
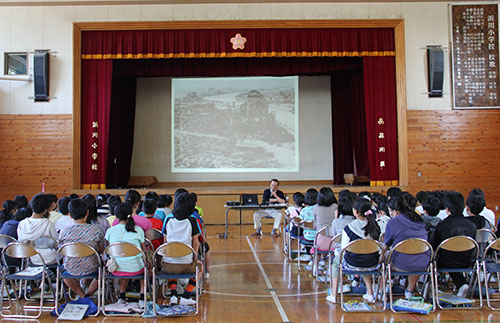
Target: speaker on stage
{"points": [[435, 71], [41, 75]]}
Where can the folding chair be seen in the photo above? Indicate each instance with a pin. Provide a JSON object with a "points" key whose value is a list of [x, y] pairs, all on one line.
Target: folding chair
{"points": [[415, 246], [321, 246], [117, 250], [5, 240], [483, 239], [20, 250], [491, 266], [153, 234], [289, 236], [458, 244], [77, 250], [364, 247], [301, 241], [176, 250]]}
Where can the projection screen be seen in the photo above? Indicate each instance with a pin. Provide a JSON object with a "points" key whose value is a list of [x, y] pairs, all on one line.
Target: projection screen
{"points": [[240, 124]]}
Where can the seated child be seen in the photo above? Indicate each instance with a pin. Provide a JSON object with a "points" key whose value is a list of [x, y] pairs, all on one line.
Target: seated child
{"points": [[32, 228], [65, 220], [163, 207], [182, 227], [364, 227], [149, 208], [127, 231], [88, 234]]}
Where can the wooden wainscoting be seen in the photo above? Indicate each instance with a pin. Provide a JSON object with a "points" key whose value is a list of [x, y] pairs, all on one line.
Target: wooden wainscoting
{"points": [[457, 150], [35, 149]]}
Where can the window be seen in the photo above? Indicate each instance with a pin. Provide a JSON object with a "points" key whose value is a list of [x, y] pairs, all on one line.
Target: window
{"points": [[16, 64]]}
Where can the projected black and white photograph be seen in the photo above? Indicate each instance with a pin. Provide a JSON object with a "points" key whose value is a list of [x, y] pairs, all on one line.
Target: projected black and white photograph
{"points": [[235, 124]]}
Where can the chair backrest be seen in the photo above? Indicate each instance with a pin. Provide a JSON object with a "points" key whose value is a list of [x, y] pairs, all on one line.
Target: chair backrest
{"points": [[19, 250], [153, 234], [458, 244], [44, 242], [174, 250], [321, 240], [334, 240], [5, 240], [363, 246], [485, 236], [122, 249], [495, 245], [78, 250], [413, 246]]}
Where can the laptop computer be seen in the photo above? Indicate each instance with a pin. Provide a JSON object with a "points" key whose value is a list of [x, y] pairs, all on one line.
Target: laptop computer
{"points": [[249, 199]]}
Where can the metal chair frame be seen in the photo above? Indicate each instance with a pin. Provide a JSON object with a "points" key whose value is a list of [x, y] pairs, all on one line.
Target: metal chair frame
{"points": [[5, 240], [414, 246], [176, 249], [78, 250], [304, 225], [491, 267], [320, 240], [458, 244], [364, 246], [122, 249], [24, 251]]}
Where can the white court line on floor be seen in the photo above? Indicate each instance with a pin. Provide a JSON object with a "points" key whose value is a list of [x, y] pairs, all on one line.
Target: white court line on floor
{"points": [[245, 263], [265, 296], [284, 317]]}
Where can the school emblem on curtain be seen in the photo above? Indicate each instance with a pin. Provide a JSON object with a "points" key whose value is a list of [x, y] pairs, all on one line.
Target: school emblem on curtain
{"points": [[238, 42]]}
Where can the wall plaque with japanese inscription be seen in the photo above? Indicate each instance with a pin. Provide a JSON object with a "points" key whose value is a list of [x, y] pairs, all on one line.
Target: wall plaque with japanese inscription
{"points": [[475, 56]]}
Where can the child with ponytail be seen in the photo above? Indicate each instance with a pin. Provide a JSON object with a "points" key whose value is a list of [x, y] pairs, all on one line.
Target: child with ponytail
{"points": [[127, 231], [132, 198], [364, 227]]}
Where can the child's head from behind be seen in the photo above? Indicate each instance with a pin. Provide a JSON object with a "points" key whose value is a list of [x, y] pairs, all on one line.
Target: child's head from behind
{"points": [[149, 206], [40, 204], [78, 209], [298, 199], [184, 206], [22, 214], [62, 205], [454, 202], [362, 207], [21, 201], [123, 211], [475, 203], [165, 201], [346, 204], [132, 197], [326, 197], [311, 196], [431, 206]]}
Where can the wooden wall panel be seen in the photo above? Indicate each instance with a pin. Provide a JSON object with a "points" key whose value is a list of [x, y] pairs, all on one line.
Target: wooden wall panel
{"points": [[35, 149], [455, 150]]}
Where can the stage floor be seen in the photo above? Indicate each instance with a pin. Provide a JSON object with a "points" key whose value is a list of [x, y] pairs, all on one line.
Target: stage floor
{"points": [[251, 281]]}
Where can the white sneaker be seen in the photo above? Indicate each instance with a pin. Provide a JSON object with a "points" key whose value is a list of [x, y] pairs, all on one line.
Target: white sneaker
{"points": [[140, 304], [121, 301], [186, 301], [462, 291], [409, 294], [173, 300], [331, 299], [304, 258], [355, 283], [369, 298], [207, 275]]}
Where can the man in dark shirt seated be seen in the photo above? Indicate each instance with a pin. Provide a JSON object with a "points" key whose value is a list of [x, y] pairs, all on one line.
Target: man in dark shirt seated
{"points": [[271, 195]]}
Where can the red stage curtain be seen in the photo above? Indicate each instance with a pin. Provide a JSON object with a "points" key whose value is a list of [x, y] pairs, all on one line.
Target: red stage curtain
{"points": [[348, 125], [381, 119], [213, 43], [121, 128], [96, 98], [234, 67]]}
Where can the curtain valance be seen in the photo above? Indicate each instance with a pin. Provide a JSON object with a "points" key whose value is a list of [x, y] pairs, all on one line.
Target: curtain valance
{"points": [[230, 43]]}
